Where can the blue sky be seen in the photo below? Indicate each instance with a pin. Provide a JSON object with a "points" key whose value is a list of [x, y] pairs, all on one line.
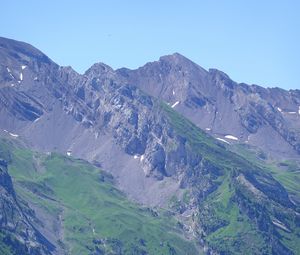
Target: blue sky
{"points": [[253, 41]]}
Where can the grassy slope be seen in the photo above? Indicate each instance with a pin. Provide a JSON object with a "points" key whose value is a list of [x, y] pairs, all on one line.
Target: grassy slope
{"points": [[94, 213], [288, 177], [234, 232]]}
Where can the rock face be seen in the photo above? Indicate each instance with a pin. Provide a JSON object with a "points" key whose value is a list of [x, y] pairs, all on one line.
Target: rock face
{"points": [[126, 121], [15, 221], [31, 84], [50, 105], [267, 118], [120, 126]]}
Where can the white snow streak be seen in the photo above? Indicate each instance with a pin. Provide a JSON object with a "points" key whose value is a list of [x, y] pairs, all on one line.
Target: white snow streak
{"points": [[231, 137], [135, 156], [23, 67], [280, 110], [220, 139], [175, 104], [280, 225], [21, 76], [142, 158], [173, 92], [36, 120], [9, 71], [13, 135], [208, 129], [69, 153]]}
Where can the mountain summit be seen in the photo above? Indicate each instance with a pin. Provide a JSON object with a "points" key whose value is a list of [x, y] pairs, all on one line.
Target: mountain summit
{"points": [[225, 109]]}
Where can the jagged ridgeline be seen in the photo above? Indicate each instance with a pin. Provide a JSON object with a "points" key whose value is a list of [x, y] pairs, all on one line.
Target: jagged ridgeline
{"points": [[237, 194]]}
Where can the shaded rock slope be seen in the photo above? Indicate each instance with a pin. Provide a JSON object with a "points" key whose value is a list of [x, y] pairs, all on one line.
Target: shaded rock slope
{"points": [[18, 234], [142, 126]]}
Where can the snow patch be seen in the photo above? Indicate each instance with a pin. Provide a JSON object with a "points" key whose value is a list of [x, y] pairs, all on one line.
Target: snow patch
{"points": [[5, 130], [220, 139], [23, 67], [9, 71], [173, 92], [291, 112], [21, 76], [13, 135], [69, 153], [299, 110], [36, 120], [292, 200], [231, 137], [173, 105], [279, 109], [35, 78], [279, 224], [12, 85], [208, 129], [142, 158], [135, 156]]}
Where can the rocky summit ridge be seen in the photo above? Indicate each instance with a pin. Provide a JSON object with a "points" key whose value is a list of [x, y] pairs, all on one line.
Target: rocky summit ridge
{"points": [[173, 135]]}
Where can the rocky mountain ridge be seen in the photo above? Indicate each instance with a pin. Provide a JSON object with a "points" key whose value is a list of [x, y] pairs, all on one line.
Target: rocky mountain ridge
{"points": [[227, 110], [125, 121]]}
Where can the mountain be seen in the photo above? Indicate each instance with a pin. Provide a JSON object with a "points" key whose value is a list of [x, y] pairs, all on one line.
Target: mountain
{"points": [[236, 194], [266, 118]]}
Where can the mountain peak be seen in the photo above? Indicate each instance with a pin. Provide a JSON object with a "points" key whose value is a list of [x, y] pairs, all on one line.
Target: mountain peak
{"points": [[176, 58], [22, 50], [98, 69]]}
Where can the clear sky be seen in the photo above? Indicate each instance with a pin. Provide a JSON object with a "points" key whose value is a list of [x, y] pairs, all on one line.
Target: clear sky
{"points": [[253, 41]]}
